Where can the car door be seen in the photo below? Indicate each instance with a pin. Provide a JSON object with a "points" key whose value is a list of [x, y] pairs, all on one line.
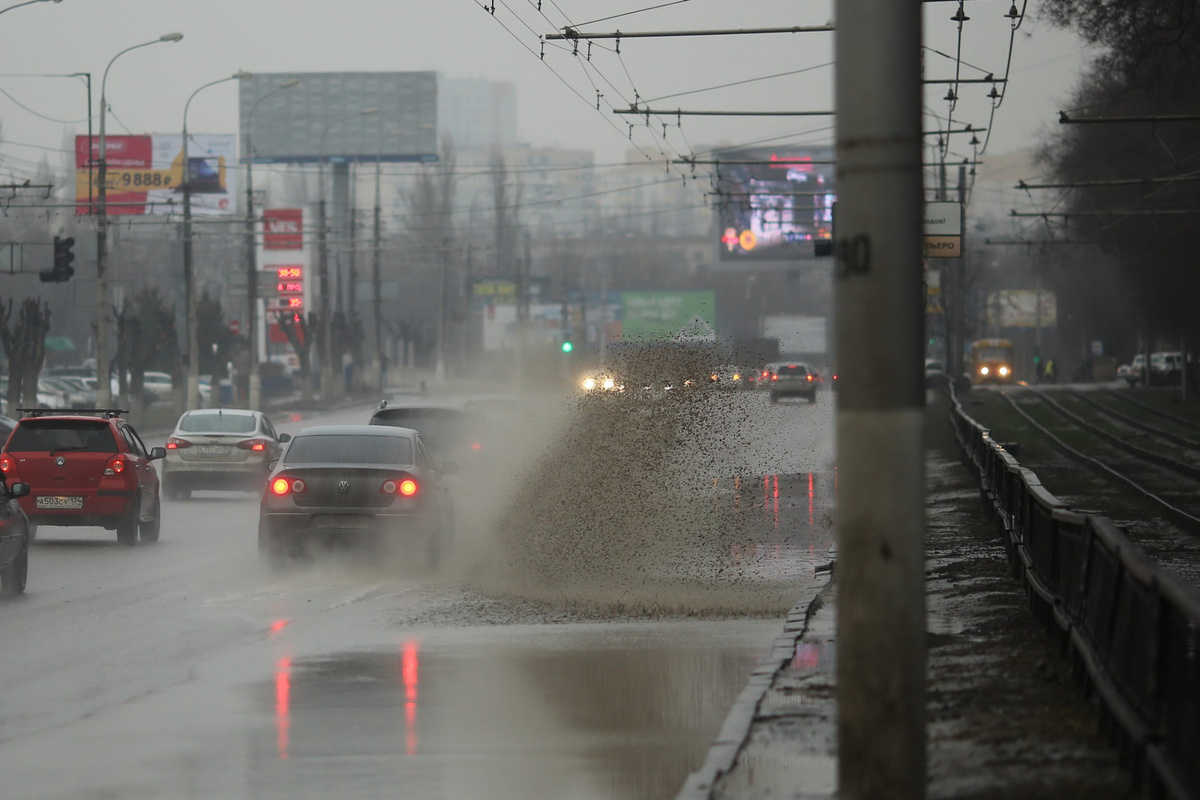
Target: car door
{"points": [[12, 526], [432, 478], [147, 475], [272, 436]]}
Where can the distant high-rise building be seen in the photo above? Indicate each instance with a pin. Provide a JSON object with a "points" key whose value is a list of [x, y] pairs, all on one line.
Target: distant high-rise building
{"points": [[477, 112]]}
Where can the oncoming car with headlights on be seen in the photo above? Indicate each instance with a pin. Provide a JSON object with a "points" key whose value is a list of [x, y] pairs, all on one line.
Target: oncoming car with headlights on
{"points": [[369, 484]]}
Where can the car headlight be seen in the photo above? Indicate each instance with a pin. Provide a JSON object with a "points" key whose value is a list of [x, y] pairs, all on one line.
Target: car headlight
{"points": [[1004, 372], [609, 383], [983, 370], [589, 384]]}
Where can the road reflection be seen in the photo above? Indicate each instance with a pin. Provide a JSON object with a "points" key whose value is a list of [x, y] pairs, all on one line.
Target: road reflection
{"points": [[607, 711]]}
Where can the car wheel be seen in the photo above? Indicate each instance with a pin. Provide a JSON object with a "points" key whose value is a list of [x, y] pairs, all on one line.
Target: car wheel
{"points": [[148, 531], [12, 577], [127, 526]]}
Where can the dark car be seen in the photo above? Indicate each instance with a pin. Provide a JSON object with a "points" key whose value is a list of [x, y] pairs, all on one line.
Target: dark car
{"points": [[85, 468], [450, 433], [14, 539], [348, 483]]}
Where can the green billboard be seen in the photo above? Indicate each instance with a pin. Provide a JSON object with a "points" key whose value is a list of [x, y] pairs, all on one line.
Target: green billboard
{"points": [[687, 317]]}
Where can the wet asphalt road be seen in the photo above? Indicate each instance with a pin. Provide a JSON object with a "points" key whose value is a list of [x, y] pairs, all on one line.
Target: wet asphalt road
{"points": [[184, 670]]}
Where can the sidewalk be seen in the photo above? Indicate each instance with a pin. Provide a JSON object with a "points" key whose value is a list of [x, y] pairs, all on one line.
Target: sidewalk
{"points": [[1005, 719]]}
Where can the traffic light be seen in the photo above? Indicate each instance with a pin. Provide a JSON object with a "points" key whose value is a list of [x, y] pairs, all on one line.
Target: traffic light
{"points": [[567, 346], [62, 269]]}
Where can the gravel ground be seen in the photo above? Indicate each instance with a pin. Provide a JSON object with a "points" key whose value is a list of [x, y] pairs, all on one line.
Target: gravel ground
{"points": [[1004, 718]]}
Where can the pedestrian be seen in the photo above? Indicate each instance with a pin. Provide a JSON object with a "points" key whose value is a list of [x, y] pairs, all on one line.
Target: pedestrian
{"points": [[1051, 371]]}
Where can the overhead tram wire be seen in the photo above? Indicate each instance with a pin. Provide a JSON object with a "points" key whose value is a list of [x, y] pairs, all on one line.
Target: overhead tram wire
{"points": [[739, 83], [631, 13], [553, 71]]}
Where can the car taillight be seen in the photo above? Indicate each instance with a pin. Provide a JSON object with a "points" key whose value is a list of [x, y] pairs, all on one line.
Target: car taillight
{"points": [[115, 466], [476, 446], [774, 377], [282, 486], [257, 445], [6, 463], [175, 443], [809, 378], [407, 487]]}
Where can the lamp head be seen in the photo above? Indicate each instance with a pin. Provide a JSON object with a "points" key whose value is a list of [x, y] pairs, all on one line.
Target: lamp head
{"points": [[366, 112], [290, 83], [170, 37], [242, 75]]}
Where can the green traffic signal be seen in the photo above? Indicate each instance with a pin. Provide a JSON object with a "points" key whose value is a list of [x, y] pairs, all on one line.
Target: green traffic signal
{"points": [[567, 347]]}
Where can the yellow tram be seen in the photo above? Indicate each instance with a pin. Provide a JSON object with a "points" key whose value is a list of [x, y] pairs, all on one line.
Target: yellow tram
{"points": [[992, 361]]}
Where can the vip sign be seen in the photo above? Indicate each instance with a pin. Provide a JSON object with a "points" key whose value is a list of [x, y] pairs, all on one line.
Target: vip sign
{"points": [[283, 229]]}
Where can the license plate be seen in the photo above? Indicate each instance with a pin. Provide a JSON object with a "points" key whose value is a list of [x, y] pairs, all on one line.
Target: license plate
{"points": [[59, 502], [213, 449], [343, 521]]}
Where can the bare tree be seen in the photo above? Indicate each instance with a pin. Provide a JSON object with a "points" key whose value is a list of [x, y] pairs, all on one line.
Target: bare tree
{"points": [[24, 341]]}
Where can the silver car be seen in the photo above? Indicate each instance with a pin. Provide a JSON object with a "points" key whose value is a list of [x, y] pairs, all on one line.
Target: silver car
{"points": [[226, 448]]}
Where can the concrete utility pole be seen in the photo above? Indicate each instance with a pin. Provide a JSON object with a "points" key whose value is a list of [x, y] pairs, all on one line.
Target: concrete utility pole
{"points": [[880, 320]]}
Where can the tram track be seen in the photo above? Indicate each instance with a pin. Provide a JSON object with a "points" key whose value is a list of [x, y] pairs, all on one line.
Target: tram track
{"points": [[1168, 484]]}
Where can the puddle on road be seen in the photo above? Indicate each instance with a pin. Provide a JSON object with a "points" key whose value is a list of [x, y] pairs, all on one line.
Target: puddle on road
{"points": [[603, 711]]}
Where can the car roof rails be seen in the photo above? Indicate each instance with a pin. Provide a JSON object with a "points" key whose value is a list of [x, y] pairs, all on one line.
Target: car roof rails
{"points": [[107, 413]]}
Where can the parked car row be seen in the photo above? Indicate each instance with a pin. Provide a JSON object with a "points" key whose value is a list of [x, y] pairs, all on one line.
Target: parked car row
{"points": [[1166, 368]]}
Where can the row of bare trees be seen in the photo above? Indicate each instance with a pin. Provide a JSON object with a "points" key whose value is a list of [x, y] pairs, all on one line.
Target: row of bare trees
{"points": [[1134, 183]]}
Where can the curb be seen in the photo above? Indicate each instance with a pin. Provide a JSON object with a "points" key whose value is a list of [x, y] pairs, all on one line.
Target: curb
{"points": [[735, 731]]}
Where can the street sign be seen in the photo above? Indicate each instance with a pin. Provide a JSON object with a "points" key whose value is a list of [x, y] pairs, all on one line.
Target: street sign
{"points": [[943, 230], [235, 326]]}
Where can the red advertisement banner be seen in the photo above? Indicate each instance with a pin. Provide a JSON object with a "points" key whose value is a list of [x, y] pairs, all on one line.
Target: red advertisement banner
{"points": [[283, 229]]}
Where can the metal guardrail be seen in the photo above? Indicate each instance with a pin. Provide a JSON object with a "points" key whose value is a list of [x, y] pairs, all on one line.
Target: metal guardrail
{"points": [[1131, 630]]}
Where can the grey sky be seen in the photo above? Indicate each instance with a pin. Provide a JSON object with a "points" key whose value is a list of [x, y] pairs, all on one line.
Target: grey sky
{"points": [[148, 87]]}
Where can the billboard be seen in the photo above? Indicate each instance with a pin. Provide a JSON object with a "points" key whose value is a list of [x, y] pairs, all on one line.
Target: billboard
{"points": [[283, 229], [1021, 308], [775, 204], [321, 116], [145, 173], [685, 317]]}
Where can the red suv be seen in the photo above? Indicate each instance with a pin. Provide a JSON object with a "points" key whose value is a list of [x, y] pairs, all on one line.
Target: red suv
{"points": [[85, 468]]}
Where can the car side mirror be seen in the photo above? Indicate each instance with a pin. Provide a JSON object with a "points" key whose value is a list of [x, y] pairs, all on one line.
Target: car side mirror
{"points": [[285, 437], [157, 453], [449, 467], [19, 489], [274, 463]]}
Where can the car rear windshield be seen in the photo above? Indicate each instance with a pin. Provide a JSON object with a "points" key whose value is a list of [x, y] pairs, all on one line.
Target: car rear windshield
{"points": [[441, 428], [214, 422], [62, 435], [792, 369], [351, 449]]}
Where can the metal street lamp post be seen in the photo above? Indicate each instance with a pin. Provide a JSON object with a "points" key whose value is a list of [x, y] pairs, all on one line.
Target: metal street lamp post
{"points": [[103, 385], [255, 399], [192, 400], [327, 374]]}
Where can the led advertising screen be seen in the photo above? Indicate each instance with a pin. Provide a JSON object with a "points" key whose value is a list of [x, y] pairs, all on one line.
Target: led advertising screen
{"points": [[776, 203]]}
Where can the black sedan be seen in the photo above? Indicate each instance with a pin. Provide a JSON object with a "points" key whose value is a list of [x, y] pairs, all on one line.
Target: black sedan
{"points": [[14, 539], [356, 483]]}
